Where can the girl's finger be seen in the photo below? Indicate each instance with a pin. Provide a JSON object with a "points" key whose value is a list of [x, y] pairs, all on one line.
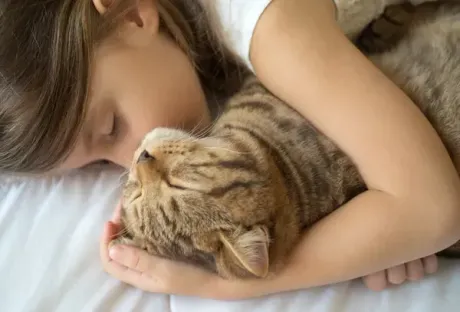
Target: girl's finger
{"points": [[376, 281], [415, 271], [133, 258], [107, 236], [135, 267], [115, 269], [430, 264], [397, 275], [116, 217], [126, 275]]}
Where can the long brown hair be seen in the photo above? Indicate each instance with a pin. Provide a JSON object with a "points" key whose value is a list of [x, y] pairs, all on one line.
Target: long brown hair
{"points": [[46, 49]]}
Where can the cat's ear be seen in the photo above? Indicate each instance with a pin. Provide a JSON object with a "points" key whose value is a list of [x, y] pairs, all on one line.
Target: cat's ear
{"points": [[245, 252]]}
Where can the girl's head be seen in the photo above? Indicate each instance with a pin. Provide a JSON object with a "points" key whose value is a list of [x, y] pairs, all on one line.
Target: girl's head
{"points": [[83, 81]]}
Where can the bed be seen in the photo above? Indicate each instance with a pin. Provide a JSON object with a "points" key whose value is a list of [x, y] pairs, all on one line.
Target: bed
{"points": [[49, 262]]}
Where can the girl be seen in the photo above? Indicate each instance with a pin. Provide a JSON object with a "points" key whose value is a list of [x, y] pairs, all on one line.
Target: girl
{"points": [[84, 80]]}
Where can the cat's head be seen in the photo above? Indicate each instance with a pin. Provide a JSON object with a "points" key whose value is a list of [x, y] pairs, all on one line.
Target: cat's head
{"points": [[201, 201]]}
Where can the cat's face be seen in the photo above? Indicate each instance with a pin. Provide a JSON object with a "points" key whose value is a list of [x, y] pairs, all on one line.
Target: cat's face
{"points": [[200, 201]]}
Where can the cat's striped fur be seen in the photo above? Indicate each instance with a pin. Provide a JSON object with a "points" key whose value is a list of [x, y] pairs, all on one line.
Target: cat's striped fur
{"points": [[236, 201]]}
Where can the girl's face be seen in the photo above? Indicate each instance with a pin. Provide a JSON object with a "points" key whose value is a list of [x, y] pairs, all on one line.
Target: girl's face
{"points": [[140, 80]]}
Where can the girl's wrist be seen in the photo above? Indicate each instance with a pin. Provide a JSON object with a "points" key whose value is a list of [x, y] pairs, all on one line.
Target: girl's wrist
{"points": [[223, 289], [245, 289]]}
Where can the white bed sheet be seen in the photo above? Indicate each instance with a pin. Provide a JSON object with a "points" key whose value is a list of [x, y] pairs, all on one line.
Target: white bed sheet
{"points": [[49, 232]]}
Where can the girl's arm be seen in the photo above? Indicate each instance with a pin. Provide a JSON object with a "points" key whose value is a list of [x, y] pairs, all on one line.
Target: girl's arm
{"points": [[413, 206]]}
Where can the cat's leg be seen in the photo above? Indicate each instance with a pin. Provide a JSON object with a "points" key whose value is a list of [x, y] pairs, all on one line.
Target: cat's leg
{"points": [[385, 32], [354, 15]]}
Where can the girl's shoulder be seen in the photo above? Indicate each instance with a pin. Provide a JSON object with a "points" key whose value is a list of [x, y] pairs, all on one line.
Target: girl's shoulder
{"points": [[235, 21]]}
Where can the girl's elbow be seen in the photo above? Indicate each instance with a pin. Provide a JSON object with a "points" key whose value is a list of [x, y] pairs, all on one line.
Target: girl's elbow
{"points": [[437, 216], [451, 231], [446, 225]]}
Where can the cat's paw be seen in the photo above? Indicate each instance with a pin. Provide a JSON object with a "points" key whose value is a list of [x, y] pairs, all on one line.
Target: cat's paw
{"points": [[385, 32]]}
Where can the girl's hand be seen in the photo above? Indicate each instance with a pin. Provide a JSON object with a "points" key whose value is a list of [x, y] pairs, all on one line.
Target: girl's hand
{"points": [[412, 271], [141, 270]]}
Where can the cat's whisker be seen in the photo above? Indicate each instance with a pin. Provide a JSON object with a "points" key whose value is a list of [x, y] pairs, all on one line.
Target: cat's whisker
{"points": [[123, 177], [205, 130], [223, 148], [121, 184], [196, 127], [124, 230], [218, 136], [119, 233], [209, 136], [214, 122], [226, 149], [124, 174], [198, 132]]}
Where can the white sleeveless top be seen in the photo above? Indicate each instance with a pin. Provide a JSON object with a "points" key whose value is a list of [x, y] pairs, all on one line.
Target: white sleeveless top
{"points": [[236, 21]]}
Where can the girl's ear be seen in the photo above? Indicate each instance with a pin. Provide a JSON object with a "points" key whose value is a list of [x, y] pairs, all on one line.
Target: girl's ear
{"points": [[142, 13], [102, 5]]}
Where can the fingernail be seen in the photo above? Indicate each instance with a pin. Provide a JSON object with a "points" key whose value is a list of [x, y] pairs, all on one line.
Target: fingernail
{"points": [[115, 252]]}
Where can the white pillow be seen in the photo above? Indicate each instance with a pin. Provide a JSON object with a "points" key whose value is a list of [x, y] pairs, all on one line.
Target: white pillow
{"points": [[49, 261], [49, 236]]}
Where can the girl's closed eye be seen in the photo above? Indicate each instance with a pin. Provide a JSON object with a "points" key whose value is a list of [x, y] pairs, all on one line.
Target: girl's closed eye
{"points": [[112, 126], [111, 130], [115, 127]]}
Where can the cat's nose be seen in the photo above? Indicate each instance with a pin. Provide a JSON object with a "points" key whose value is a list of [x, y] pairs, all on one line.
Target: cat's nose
{"points": [[144, 157]]}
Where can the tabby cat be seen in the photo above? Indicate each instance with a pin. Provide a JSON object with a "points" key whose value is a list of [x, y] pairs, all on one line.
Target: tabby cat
{"points": [[236, 201]]}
